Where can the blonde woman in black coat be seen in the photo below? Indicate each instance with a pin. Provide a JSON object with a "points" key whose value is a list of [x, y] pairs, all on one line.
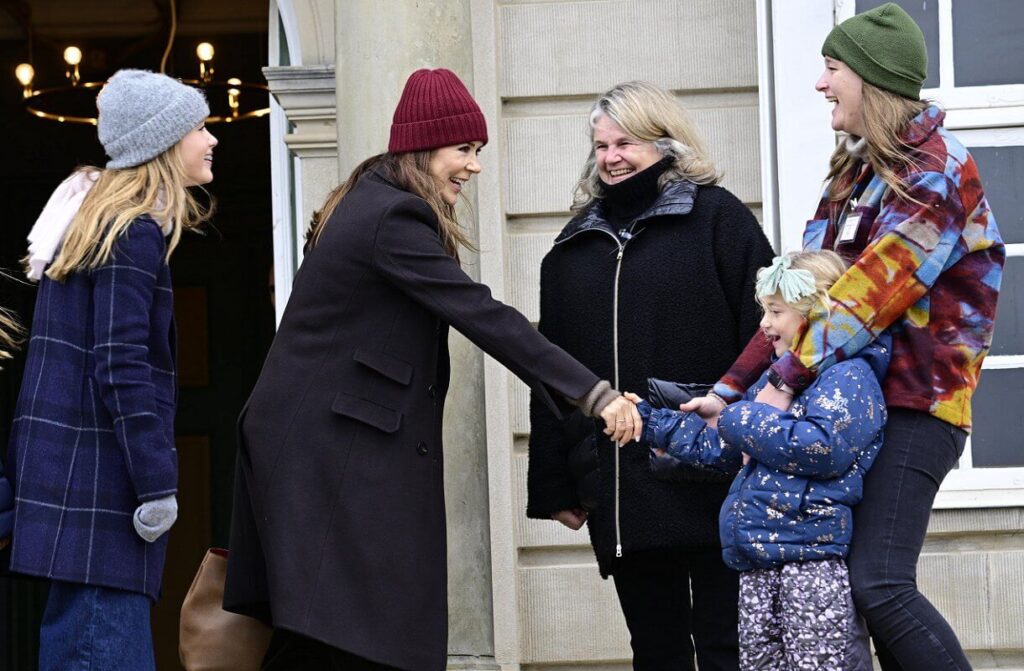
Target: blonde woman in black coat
{"points": [[653, 277], [338, 536]]}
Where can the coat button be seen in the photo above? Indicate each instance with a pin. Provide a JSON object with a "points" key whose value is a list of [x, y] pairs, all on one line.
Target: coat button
{"points": [[421, 449], [432, 390]]}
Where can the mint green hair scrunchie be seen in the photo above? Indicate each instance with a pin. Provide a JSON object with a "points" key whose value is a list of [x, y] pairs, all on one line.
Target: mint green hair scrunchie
{"points": [[779, 278]]}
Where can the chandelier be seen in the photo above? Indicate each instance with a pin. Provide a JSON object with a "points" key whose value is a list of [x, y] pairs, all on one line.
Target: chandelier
{"points": [[64, 103]]}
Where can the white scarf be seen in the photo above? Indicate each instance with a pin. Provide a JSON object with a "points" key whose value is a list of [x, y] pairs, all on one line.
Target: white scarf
{"points": [[48, 232], [857, 147]]}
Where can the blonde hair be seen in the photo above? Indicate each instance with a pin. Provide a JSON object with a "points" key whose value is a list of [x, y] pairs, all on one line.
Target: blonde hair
{"points": [[411, 172], [648, 113], [886, 116], [157, 188], [11, 334], [826, 266]]}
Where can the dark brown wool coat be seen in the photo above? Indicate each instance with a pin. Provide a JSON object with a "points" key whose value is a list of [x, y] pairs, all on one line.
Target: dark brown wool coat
{"points": [[339, 521]]}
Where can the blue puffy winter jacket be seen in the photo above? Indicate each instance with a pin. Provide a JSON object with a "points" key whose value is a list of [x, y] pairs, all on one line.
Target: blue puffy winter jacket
{"points": [[793, 500]]}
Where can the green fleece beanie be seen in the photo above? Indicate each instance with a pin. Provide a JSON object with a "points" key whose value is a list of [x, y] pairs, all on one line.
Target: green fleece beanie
{"points": [[885, 47]]}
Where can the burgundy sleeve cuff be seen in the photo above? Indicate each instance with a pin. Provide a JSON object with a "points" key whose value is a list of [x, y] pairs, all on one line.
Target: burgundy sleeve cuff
{"points": [[794, 373]]}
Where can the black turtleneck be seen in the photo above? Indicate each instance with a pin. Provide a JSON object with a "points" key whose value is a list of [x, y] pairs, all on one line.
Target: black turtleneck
{"points": [[628, 199]]}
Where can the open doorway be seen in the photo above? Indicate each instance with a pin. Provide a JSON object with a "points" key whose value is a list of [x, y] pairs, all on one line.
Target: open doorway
{"points": [[222, 293]]}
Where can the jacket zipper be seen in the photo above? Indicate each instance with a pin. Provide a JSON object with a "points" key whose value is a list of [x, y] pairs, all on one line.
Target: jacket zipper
{"points": [[615, 348]]}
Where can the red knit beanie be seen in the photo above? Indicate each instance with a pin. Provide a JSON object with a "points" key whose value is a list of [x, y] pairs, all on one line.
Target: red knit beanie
{"points": [[435, 111]]}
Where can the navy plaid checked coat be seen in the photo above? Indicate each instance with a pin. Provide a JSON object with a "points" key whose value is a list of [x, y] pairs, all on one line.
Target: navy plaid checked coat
{"points": [[93, 432]]}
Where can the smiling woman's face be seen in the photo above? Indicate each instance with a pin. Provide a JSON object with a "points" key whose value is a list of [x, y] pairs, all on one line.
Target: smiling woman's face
{"points": [[620, 156], [452, 166], [845, 89]]}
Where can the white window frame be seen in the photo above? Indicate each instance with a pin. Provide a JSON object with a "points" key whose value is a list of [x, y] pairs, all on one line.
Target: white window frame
{"points": [[802, 141], [285, 168]]}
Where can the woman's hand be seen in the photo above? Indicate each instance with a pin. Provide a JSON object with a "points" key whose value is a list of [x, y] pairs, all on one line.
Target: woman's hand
{"points": [[622, 421], [774, 397], [572, 518]]}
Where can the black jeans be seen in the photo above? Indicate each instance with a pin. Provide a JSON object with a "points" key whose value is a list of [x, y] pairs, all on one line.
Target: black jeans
{"points": [[889, 527], [294, 652], [654, 588]]}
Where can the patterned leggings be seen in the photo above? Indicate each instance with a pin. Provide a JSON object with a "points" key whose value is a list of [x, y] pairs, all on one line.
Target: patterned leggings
{"points": [[800, 616]]}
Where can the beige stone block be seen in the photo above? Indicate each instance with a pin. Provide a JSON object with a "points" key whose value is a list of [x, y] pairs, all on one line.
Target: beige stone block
{"points": [[544, 157], [975, 520], [696, 44], [519, 397], [524, 255], [958, 586], [1006, 587], [570, 615]]}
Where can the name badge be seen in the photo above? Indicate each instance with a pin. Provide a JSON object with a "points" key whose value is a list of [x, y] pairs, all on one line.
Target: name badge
{"points": [[849, 230]]}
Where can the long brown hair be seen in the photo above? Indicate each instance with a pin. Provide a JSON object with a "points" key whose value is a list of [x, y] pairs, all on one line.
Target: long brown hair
{"points": [[409, 171], [886, 116], [156, 187]]}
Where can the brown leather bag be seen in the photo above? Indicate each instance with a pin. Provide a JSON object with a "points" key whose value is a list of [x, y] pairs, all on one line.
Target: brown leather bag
{"points": [[210, 638]]}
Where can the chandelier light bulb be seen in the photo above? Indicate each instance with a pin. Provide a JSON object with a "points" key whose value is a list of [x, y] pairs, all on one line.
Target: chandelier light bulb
{"points": [[205, 51], [25, 73], [72, 55]]}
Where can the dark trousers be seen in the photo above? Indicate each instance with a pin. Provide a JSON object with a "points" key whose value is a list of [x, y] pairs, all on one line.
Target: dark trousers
{"points": [[889, 527], [666, 626], [294, 652]]}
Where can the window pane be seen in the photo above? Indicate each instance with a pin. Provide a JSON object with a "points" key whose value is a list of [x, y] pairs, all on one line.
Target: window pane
{"points": [[927, 16], [1002, 173], [986, 42], [998, 421], [1009, 335]]}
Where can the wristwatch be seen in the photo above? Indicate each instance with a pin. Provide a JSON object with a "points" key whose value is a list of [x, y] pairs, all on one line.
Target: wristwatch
{"points": [[775, 380]]}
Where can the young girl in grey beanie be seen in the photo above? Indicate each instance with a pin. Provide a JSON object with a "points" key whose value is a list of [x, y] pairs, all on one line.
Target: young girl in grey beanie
{"points": [[92, 444]]}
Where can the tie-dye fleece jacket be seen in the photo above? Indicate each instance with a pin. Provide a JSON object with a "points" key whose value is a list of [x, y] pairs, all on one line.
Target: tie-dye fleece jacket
{"points": [[927, 269]]}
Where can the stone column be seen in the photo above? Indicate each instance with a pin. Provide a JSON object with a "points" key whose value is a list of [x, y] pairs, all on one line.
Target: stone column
{"points": [[377, 50]]}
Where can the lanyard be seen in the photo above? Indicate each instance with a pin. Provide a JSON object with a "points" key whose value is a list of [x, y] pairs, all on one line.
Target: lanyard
{"points": [[847, 221]]}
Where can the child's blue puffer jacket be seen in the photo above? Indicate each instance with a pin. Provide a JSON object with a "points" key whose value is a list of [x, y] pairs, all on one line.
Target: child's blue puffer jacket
{"points": [[793, 500]]}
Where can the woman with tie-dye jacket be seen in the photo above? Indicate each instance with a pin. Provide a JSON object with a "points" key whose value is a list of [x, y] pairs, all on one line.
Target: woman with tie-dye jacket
{"points": [[903, 202]]}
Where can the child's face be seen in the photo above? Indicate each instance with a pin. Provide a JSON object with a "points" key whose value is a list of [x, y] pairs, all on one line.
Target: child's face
{"points": [[780, 323]]}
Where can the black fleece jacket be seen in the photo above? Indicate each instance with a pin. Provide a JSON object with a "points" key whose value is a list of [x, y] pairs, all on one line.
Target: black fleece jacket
{"points": [[686, 308]]}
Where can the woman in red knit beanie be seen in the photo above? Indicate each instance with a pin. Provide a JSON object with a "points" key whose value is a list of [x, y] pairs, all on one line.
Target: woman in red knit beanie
{"points": [[338, 535]]}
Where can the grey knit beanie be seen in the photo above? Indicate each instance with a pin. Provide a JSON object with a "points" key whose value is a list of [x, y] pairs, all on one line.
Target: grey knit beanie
{"points": [[143, 114]]}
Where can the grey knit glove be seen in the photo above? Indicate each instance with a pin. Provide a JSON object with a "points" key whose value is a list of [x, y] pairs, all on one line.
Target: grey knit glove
{"points": [[153, 518]]}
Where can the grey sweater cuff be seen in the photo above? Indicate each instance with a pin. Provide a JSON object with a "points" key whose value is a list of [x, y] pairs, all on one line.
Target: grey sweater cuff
{"points": [[595, 400]]}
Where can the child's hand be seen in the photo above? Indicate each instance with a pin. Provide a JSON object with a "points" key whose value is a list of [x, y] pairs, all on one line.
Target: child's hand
{"points": [[707, 408], [746, 458], [4, 542]]}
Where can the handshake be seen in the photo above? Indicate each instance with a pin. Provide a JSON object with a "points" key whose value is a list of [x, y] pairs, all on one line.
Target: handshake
{"points": [[624, 423]]}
